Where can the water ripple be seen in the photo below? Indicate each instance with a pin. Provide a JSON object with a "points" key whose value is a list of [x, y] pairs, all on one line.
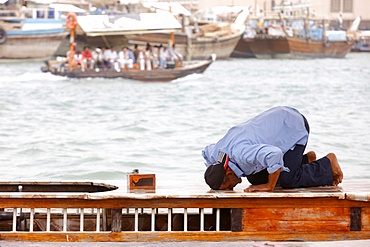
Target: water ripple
{"points": [[99, 129]]}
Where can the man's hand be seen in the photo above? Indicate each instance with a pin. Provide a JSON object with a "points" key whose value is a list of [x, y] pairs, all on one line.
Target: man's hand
{"points": [[257, 188], [270, 186]]}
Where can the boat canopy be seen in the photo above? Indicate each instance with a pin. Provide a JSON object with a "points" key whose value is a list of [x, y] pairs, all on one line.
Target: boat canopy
{"points": [[174, 8], [97, 25], [66, 8]]}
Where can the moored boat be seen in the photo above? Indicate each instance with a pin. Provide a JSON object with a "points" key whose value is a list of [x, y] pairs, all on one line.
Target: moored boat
{"points": [[362, 41], [196, 40], [219, 42], [297, 42], [309, 48], [262, 45], [317, 42], [263, 39], [313, 40], [155, 75], [265, 35], [30, 38]]}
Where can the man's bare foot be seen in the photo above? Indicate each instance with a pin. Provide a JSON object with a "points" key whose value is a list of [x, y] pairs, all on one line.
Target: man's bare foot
{"points": [[336, 170], [311, 156]]}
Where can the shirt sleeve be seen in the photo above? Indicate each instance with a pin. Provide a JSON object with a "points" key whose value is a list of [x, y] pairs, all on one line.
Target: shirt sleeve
{"points": [[259, 157]]}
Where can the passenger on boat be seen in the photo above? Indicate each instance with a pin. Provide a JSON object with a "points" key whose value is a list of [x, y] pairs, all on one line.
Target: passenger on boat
{"points": [[173, 56], [106, 56], [161, 57], [131, 55], [98, 57], [154, 57], [141, 59], [268, 149], [110, 58], [87, 58], [65, 61], [148, 58], [78, 61], [136, 53], [124, 59]]}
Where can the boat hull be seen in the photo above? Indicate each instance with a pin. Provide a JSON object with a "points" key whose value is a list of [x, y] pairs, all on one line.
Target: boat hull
{"points": [[23, 46], [194, 48], [361, 48], [266, 46], [305, 48], [157, 75], [242, 50]]}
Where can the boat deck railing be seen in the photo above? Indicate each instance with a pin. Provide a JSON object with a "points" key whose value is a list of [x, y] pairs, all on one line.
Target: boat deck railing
{"points": [[115, 220]]}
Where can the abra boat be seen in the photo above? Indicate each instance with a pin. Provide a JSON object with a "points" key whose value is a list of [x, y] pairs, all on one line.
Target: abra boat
{"points": [[156, 75]]}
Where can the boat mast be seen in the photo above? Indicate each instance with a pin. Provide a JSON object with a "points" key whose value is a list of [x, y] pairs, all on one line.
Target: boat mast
{"points": [[172, 35], [306, 24], [71, 23]]}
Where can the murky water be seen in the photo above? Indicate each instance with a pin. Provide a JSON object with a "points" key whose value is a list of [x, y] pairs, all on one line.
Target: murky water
{"points": [[54, 128]]}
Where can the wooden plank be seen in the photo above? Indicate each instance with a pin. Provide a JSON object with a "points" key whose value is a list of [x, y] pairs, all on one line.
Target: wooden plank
{"points": [[236, 219], [116, 219], [180, 203], [165, 236], [302, 219], [365, 218], [304, 214], [295, 225]]}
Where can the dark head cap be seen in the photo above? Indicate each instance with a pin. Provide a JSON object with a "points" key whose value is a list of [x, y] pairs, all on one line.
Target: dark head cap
{"points": [[214, 175]]}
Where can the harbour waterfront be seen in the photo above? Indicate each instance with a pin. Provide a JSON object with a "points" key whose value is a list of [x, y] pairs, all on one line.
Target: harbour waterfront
{"points": [[56, 128]]}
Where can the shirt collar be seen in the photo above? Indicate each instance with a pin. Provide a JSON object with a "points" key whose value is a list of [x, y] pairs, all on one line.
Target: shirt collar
{"points": [[239, 173]]}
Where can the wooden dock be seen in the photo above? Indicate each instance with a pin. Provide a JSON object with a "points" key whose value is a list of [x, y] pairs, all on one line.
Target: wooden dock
{"points": [[310, 214]]}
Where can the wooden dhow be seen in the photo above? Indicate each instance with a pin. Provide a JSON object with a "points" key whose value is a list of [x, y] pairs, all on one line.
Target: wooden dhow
{"points": [[263, 39], [262, 46], [309, 48], [318, 42], [294, 36], [30, 38], [196, 39], [216, 39]]}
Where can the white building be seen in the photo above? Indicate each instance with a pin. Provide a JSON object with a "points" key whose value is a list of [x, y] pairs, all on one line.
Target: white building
{"points": [[328, 9]]}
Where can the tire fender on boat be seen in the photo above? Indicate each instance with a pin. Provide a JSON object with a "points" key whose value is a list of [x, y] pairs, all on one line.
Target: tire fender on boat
{"points": [[71, 21], [2, 36]]}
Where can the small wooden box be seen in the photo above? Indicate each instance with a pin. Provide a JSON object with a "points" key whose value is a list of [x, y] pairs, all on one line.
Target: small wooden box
{"points": [[141, 182]]}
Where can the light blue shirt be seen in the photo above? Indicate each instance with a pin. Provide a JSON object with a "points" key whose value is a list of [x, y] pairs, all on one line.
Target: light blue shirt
{"points": [[261, 142]]}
